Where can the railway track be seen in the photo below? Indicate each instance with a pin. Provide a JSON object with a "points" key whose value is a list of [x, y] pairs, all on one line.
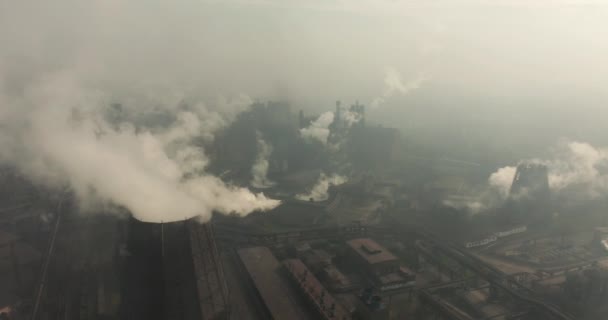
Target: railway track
{"points": [[494, 276]]}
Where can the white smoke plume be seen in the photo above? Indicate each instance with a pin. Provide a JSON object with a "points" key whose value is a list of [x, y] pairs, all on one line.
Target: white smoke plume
{"points": [[393, 84], [577, 170], [68, 62], [502, 179], [350, 118], [576, 167], [581, 167], [473, 206], [319, 191], [55, 132], [259, 170], [318, 130]]}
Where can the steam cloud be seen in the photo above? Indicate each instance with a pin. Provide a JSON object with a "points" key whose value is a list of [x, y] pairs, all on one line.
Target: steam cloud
{"points": [[502, 179], [57, 132], [67, 63], [259, 171], [393, 84], [576, 168], [581, 166], [349, 117], [319, 191], [319, 129], [472, 206]]}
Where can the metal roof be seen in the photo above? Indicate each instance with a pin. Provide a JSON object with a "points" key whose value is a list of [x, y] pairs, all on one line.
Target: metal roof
{"points": [[324, 302], [371, 251], [263, 268]]}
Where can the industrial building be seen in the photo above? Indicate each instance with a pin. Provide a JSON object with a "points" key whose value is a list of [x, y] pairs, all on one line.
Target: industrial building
{"points": [[348, 257], [265, 274], [381, 265], [326, 306], [373, 256], [531, 178], [173, 271], [194, 282]]}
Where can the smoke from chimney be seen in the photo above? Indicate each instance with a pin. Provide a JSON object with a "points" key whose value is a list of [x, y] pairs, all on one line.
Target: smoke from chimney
{"points": [[318, 130], [319, 191], [393, 84], [259, 170], [502, 179], [576, 167], [577, 170], [57, 132]]}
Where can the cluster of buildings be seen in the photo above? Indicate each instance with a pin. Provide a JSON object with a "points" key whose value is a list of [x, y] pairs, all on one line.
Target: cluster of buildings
{"points": [[319, 283]]}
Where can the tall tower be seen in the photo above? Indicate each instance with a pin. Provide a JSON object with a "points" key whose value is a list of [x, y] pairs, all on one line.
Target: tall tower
{"points": [[338, 114], [359, 110], [301, 119], [529, 198], [362, 114], [532, 179]]}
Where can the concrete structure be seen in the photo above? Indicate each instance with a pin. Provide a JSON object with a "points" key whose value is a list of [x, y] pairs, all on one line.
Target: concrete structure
{"points": [[173, 271], [373, 256], [211, 288], [194, 283], [531, 178], [264, 271], [324, 303], [381, 265]]}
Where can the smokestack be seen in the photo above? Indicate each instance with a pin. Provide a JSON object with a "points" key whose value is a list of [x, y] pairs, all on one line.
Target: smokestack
{"points": [[301, 119], [532, 178], [358, 111], [259, 170], [338, 116], [362, 114]]}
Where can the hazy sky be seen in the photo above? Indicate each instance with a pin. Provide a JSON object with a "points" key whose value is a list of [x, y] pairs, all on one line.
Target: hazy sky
{"points": [[491, 81], [483, 60]]}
